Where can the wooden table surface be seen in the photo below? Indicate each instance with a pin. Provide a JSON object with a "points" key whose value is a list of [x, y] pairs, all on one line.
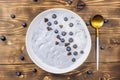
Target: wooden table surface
{"points": [[25, 10]]}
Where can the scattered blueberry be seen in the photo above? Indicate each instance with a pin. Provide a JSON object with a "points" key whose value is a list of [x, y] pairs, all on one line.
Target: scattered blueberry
{"points": [[12, 16], [65, 19], [73, 59], [75, 53], [3, 38], [35, 0], [56, 31], [106, 20], [62, 40], [24, 24], [69, 2], [88, 23], [71, 24], [22, 58], [70, 33], [89, 72], [49, 23], [34, 70], [70, 39], [75, 46], [18, 73], [68, 48], [54, 16], [63, 33], [55, 22]]}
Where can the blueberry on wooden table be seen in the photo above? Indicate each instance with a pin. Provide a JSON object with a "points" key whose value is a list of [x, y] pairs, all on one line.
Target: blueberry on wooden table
{"points": [[68, 48], [89, 72], [106, 20], [35, 0], [69, 2], [54, 16], [18, 73], [24, 24], [34, 70], [3, 38], [75, 46], [65, 19], [88, 23], [12, 16], [22, 58]]}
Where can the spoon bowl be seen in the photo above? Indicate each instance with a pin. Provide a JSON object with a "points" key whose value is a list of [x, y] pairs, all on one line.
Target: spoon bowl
{"points": [[97, 21]]}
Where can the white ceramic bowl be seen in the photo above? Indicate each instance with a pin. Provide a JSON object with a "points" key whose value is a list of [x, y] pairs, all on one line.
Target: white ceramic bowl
{"points": [[41, 39]]}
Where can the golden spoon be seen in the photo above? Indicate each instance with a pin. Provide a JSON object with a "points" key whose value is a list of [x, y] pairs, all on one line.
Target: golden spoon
{"points": [[97, 21]]}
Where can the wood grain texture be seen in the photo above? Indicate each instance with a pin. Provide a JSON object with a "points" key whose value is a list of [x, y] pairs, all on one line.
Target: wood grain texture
{"points": [[26, 10], [8, 72]]}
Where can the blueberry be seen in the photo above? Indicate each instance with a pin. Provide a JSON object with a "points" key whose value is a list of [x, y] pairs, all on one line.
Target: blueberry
{"points": [[106, 20], [81, 51], [88, 23], [74, 46], [3, 38], [12, 16], [70, 33], [73, 59], [69, 2], [54, 16], [34, 70], [55, 22], [18, 73], [70, 40], [89, 72], [63, 33], [71, 24], [75, 53], [24, 24], [62, 40], [49, 23], [65, 19], [56, 31], [22, 58], [68, 48]]}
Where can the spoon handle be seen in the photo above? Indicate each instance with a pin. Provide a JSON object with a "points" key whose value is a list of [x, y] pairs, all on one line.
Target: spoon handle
{"points": [[97, 53]]}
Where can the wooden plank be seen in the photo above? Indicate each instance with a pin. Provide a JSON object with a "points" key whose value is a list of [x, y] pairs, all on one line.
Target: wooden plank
{"points": [[7, 3], [15, 47], [27, 14], [108, 71]]}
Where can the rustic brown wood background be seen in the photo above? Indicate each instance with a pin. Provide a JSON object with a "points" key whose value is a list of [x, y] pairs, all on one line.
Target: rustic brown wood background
{"points": [[26, 10]]}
